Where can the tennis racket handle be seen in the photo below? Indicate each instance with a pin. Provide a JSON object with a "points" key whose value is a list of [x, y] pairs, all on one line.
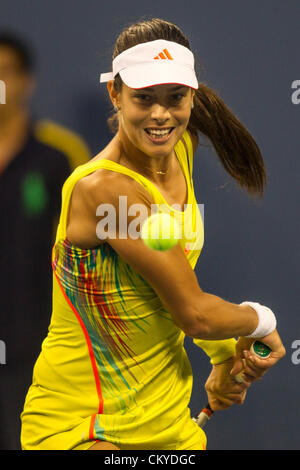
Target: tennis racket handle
{"points": [[204, 416], [260, 350]]}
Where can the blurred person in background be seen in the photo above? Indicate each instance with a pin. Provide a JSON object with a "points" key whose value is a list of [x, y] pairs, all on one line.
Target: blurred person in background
{"points": [[36, 157]]}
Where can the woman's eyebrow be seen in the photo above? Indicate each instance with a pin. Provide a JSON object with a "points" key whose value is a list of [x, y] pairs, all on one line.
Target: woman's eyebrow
{"points": [[153, 89]]}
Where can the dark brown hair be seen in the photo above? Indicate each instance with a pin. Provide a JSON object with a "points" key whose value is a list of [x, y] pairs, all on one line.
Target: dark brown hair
{"points": [[237, 150]]}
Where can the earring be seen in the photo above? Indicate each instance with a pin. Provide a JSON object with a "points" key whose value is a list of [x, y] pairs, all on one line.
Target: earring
{"points": [[116, 108]]}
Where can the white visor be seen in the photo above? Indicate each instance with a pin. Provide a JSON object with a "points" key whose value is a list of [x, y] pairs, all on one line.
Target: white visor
{"points": [[154, 63]]}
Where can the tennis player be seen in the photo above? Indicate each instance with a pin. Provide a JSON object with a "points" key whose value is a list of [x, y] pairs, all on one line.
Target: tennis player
{"points": [[113, 372]]}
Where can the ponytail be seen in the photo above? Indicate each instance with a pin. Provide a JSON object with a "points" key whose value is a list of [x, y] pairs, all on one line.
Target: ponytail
{"points": [[234, 145]]}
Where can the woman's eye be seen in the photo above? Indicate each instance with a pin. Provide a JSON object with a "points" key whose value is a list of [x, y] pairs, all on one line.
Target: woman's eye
{"points": [[177, 97], [143, 97]]}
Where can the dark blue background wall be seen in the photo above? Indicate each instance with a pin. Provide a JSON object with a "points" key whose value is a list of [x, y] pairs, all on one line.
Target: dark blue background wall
{"points": [[249, 53]]}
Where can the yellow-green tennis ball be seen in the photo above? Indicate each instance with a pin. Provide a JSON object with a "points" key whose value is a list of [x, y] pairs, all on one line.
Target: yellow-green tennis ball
{"points": [[160, 232]]}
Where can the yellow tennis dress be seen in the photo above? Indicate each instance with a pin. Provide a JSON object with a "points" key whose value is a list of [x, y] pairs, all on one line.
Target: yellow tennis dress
{"points": [[113, 366]]}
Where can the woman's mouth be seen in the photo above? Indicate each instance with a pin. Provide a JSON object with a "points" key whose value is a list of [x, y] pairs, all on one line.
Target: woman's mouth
{"points": [[159, 136]]}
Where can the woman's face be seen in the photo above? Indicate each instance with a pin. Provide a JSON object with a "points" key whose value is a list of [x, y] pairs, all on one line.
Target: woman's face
{"points": [[154, 118]]}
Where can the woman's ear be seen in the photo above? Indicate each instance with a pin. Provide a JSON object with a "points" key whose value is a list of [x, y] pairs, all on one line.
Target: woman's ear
{"points": [[112, 94]]}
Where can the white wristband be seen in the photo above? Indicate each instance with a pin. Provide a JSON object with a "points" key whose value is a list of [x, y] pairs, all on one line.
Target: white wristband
{"points": [[266, 320]]}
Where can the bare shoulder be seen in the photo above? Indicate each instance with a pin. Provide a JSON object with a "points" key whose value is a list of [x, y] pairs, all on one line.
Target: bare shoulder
{"points": [[105, 186], [93, 194]]}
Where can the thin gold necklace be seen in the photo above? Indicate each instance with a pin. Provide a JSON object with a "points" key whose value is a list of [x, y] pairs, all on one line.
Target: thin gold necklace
{"points": [[158, 172]]}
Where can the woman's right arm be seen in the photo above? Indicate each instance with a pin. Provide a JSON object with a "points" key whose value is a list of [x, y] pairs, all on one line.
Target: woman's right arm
{"points": [[199, 314]]}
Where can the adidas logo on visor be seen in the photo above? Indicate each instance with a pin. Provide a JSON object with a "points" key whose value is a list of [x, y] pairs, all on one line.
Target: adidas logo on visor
{"points": [[165, 54]]}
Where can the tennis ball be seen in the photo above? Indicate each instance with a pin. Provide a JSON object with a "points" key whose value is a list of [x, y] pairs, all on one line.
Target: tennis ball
{"points": [[160, 232]]}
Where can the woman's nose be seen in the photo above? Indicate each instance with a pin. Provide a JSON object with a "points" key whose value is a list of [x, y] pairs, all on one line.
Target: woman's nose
{"points": [[160, 112]]}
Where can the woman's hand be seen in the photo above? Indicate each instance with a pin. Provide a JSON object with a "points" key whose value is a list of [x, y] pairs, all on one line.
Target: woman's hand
{"points": [[222, 389], [253, 367]]}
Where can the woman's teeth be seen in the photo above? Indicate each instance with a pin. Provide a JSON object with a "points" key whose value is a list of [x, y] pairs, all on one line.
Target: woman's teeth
{"points": [[159, 133]]}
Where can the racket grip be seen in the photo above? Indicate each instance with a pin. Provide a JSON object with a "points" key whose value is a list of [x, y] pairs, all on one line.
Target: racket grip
{"points": [[204, 415], [260, 350]]}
